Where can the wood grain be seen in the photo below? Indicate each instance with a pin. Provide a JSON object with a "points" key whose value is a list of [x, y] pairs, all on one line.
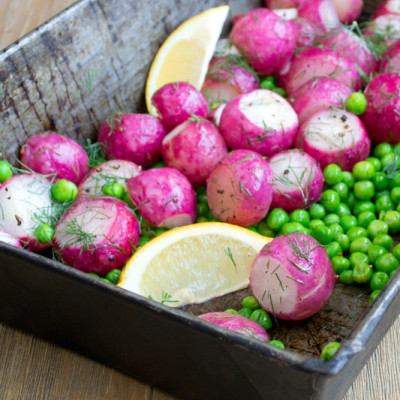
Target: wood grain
{"points": [[31, 368]]}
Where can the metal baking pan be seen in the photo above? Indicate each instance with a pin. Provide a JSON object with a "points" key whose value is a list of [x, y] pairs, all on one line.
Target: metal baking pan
{"points": [[69, 75]]}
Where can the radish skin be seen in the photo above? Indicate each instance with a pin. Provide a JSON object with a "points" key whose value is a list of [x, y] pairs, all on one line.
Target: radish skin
{"points": [[292, 277], [385, 29], [348, 10], [387, 7], [390, 60], [322, 12], [10, 239]]}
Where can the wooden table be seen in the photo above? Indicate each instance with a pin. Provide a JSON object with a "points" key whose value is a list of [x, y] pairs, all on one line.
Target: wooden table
{"points": [[31, 368]]}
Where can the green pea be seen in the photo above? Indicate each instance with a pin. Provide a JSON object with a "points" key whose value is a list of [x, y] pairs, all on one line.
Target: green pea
{"points": [[396, 251], [113, 189], [395, 195], [383, 240], [373, 295], [348, 179], [265, 230], [348, 222], [106, 280], [356, 232], [392, 219], [386, 263], [346, 277], [64, 191], [343, 240], [202, 209], [315, 222], [358, 258], [356, 103], [331, 218], [362, 206], [340, 264], [280, 91], [5, 170], [292, 227], [330, 200], [231, 311], [322, 233], [277, 343], [44, 233], [365, 218], [333, 250], [160, 231], [377, 227], [378, 280], [364, 190], [342, 189], [113, 276], [387, 160], [245, 312], [301, 216], [380, 181], [376, 162], [277, 218], [210, 216], [361, 244], [343, 209], [158, 164], [351, 200], [333, 174], [252, 228], [127, 199], [363, 170], [201, 219], [262, 317], [143, 240], [267, 83], [382, 149], [336, 228], [384, 192], [250, 302], [375, 251], [394, 181], [329, 350], [202, 198], [362, 273], [317, 211], [93, 274], [384, 203]]}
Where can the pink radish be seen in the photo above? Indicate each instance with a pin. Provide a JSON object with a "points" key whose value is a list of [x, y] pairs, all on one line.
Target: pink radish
{"points": [[227, 77], [308, 32], [322, 12], [110, 171], [239, 189], [277, 4], [387, 7], [334, 137], [164, 196], [132, 137], [298, 180], [261, 121], [292, 277], [26, 203], [56, 155], [178, 101], [348, 10], [318, 94], [384, 30], [390, 60], [194, 148], [217, 112], [237, 323], [258, 27], [381, 117], [96, 235], [10, 239]]}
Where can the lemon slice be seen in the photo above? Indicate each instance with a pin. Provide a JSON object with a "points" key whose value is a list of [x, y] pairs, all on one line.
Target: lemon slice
{"points": [[186, 53], [193, 263]]}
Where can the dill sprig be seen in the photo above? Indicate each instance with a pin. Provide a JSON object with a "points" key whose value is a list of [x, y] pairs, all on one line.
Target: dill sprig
{"points": [[96, 153], [166, 298], [228, 252], [392, 168]]}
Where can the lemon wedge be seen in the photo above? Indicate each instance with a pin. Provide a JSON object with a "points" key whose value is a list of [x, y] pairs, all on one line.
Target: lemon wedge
{"points": [[186, 53], [193, 263]]}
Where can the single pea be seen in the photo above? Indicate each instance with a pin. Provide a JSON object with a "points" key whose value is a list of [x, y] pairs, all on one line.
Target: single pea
{"points": [[362, 206], [143, 240], [277, 218], [396, 148], [330, 200], [351, 200], [384, 203], [160, 231], [250, 302], [363, 170], [392, 219], [364, 190], [44, 233], [252, 228], [5, 170], [262, 317], [362, 273], [387, 159], [343, 209], [384, 192], [64, 191], [202, 209], [342, 189], [93, 274], [265, 230], [245, 312], [394, 181], [322, 233], [348, 222], [211, 217], [383, 240], [346, 277], [336, 228], [340, 264], [267, 84], [201, 219], [317, 211], [396, 251], [348, 179], [333, 174], [333, 250], [113, 276], [315, 222], [329, 350], [106, 280], [127, 199], [301, 216], [331, 218], [269, 79], [202, 198], [356, 232], [361, 244], [343, 240], [380, 181], [277, 343], [280, 91], [377, 227], [113, 189], [395, 195], [392, 273], [373, 295], [365, 218], [375, 251], [356, 103], [158, 164], [358, 258], [382, 149], [376, 162], [386, 263], [378, 280], [292, 227], [231, 311]]}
